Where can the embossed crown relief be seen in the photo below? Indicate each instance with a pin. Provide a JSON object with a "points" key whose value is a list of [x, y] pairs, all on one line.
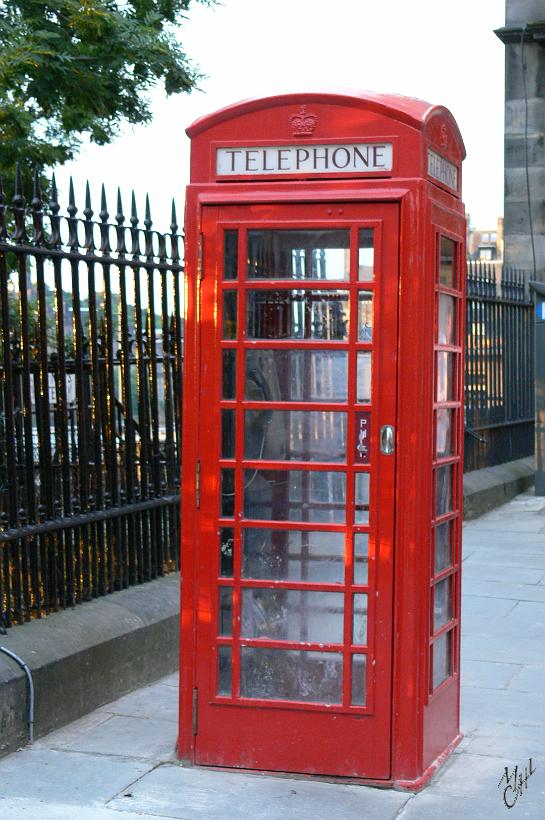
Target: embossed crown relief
{"points": [[303, 124], [443, 136]]}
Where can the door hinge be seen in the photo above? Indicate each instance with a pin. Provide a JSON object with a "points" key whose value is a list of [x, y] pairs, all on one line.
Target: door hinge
{"points": [[195, 703], [199, 259], [198, 485]]}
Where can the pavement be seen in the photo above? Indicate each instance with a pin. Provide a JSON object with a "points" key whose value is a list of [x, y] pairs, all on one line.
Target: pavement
{"points": [[118, 762]]}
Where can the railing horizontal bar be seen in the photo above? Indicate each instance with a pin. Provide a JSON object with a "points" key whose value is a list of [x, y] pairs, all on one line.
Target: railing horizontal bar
{"points": [[93, 517]]}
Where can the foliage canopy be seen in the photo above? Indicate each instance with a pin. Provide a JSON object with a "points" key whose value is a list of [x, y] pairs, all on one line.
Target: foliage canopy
{"points": [[73, 66]]}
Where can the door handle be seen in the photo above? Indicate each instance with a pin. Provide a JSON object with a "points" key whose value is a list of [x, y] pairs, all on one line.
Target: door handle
{"points": [[387, 440]]}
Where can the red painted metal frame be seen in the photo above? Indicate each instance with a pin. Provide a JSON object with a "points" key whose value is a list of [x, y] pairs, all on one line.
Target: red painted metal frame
{"points": [[424, 724]]}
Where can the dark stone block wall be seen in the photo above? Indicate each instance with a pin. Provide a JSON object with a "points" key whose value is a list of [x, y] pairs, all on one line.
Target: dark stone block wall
{"points": [[518, 252]]}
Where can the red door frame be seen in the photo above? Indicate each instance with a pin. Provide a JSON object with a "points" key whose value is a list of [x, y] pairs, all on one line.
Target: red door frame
{"points": [[312, 719]]}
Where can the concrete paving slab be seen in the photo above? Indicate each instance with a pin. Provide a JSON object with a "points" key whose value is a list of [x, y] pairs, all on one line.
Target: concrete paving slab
{"points": [[430, 806], [511, 558], [514, 750], [201, 794], [523, 524], [488, 674], [497, 589], [488, 571], [134, 737], [481, 606], [157, 701], [529, 679], [23, 808], [513, 648], [482, 707], [46, 775], [477, 537]]}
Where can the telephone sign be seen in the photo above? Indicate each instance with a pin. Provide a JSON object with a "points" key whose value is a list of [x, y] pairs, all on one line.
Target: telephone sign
{"points": [[323, 433]]}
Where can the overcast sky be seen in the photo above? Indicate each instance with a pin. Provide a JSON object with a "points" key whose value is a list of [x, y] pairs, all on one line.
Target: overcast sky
{"points": [[443, 52]]}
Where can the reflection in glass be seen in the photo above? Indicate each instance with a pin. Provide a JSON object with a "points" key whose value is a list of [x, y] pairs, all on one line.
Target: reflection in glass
{"points": [[227, 540], [442, 546], [359, 663], [447, 273], [443, 490], [296, 254], [366, 254], [225, 624], [227, 493], [441, 659], [365, 316], [446, 320], [363, 380], [359, 619], [295, 435], [289, 674], [295, 495], [297, 314], [230, 257], [361, 498], [224, 670], [445, 377], [296, 375], [227, 433], [444, 432], [229, 314], [361, 543], [442, 604], [293, 555], [229, 374], [293, 615]]}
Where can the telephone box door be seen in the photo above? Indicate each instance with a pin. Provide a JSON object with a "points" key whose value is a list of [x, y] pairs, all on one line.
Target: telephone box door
{"points": [[296, 427]]}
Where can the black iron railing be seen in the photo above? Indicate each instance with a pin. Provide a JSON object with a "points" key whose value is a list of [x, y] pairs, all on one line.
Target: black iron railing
{"points": [[499, 366], [90, 386]]}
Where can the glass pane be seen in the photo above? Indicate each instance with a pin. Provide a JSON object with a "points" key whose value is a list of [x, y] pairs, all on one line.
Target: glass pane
{"points": [[224, 670], [366, 254], [361, 499], [296, 375], [359, 620], [365, 316], [297, 314], [293, 615], [442, 604], [230, 264], [445, 377], [289, 674], [444, 432], [229, 314], [446, 320], [295, 495], [361, 540], [227, 540], [295, 435], [299, 255], [227, 433], [443, 490], [359, 663], [293, 555], [441, 659], [442, 546], [363, 381], [225, 625], [229, 374], [447, 273], [227, 493]]}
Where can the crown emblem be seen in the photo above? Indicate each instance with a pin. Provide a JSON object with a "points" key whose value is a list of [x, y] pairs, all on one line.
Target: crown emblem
{"points": [[303, 124]]}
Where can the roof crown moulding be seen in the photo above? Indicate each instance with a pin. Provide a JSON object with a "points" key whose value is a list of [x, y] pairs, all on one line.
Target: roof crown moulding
{"points": [[535, 32]]}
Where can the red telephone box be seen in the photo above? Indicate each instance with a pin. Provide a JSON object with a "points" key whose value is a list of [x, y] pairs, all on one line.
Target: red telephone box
{"points": [[323, 436]]}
